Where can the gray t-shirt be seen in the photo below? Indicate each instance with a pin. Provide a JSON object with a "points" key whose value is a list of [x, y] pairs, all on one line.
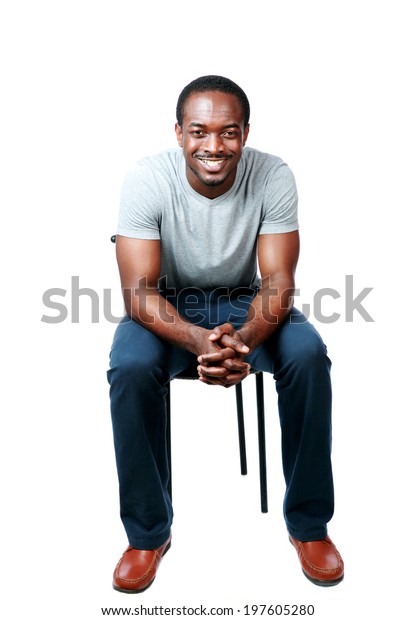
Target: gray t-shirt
{"points": [[208, 243]]}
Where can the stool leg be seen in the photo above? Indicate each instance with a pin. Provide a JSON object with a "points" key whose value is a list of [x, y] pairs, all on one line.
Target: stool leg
{"points": [[241, 428], [168, 440], [261, 441]]}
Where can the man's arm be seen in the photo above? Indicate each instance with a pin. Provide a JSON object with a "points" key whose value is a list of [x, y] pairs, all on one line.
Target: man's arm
{"points": [[277, 259], [139, 263]]}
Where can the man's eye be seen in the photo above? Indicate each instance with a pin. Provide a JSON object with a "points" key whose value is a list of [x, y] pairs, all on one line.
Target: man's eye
{"points": [[197, 133], [230, 134]]}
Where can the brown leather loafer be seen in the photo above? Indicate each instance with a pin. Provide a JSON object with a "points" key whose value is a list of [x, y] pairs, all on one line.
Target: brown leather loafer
{"points": [[321, 562], [137, 569]]}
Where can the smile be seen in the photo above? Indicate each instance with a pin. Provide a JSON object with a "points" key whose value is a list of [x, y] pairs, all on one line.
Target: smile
{"points": [[212, 161], [212, 164]]}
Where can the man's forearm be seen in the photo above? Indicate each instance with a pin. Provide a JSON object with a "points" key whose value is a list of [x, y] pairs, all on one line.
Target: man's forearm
{"points": [[267, 311], [151, 310]]}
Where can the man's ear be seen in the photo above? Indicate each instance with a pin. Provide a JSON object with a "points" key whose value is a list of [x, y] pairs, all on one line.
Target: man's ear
{"points": [[246, 132], [179, 134]]}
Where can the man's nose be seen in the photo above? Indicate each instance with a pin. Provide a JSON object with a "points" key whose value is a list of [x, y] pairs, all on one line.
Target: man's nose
{"points": [[213, 143]]}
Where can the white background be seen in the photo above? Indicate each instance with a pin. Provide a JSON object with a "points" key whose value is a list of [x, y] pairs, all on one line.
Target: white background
{"points": [[89, 87]]}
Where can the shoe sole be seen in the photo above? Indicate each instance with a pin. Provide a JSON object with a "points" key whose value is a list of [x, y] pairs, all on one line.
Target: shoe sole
{"points": [[125, 591], [322, 582]]}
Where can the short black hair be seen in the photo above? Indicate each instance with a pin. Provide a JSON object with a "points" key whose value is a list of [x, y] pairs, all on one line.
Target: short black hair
{"points": [[212, 82]]}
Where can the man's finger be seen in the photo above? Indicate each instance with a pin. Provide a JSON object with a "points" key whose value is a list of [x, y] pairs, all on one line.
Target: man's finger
{"points": [[228, 381], [218, 356], [236, 365], [234, 343], [212, 371]]}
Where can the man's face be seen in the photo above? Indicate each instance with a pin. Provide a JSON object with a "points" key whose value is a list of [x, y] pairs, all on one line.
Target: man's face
{"points": [[212, 137]]}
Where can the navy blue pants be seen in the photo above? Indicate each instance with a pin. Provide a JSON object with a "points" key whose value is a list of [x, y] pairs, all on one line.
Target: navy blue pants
{"points": [[141, 365]]}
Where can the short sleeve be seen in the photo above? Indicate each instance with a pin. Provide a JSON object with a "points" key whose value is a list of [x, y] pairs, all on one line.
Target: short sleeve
{"points": [[280, 202], [139, 214]]}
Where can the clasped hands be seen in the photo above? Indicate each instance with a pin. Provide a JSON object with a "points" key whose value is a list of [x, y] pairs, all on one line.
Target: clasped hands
{"points": [[223, 363]]}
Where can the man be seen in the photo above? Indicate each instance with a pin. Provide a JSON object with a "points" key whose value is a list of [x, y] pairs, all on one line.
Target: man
{"points": [[194, 223]]}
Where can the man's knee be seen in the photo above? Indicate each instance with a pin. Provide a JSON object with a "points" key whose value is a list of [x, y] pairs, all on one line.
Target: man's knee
{"points": [[130, 366], [136, 357], [302, 346], [311, 351]]}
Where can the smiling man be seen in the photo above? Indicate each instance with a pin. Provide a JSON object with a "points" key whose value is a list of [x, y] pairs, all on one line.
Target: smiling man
{"points": [[195, 225]]}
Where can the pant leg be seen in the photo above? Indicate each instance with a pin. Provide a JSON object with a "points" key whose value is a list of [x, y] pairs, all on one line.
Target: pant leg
{"points": [[141, 364], [297, 358]]}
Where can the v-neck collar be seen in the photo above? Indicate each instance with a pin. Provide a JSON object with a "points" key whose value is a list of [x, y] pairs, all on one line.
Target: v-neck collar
{"points": [[204, 199]]}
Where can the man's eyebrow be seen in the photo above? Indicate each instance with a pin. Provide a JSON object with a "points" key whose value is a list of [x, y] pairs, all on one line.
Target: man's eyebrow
{"points": [[227, 126]]}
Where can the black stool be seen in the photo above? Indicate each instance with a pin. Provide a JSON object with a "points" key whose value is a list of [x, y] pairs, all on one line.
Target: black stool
{"points": [[259, 378]]}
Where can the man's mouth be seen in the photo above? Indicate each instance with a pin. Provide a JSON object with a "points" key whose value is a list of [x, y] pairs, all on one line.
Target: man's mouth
{"points": [[213, 163]]}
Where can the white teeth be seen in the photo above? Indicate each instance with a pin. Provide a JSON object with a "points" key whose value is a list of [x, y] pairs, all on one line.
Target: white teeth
{"points": [[211, 162]]}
